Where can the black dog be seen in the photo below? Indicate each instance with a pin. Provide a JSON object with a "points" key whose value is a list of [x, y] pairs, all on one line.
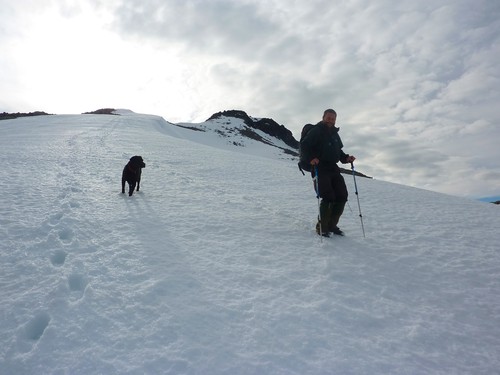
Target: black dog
{"points": [[132, 174]]}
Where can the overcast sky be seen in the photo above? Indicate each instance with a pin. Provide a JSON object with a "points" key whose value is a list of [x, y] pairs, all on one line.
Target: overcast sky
{"points": [[416, 84]]}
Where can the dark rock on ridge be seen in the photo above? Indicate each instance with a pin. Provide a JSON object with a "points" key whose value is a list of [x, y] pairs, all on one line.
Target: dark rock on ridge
{"points": [[267, 125]]}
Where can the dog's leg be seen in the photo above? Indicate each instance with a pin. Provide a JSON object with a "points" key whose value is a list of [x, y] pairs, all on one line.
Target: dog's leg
{"points": [[131, 189], [123, 183], [138, 178]]}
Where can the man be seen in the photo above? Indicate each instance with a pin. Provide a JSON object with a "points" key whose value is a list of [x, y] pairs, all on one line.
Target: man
{"points": [[322, 146]]}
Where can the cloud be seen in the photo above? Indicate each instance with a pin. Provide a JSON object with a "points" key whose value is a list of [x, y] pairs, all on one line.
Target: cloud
{"points": [[416, 84], [205, 27]]}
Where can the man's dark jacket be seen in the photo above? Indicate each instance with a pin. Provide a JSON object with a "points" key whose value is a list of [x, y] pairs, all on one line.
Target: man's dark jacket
{"points": [[325, 144]]}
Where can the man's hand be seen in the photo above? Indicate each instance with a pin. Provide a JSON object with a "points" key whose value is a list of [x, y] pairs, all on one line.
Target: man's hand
{"points": [[350, 159], [315, 161]]}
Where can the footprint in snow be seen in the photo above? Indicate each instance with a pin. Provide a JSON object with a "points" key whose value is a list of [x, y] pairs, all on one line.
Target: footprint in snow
{"points": [[55, 218], [66, 235], [77, 284], [58, 258], [74, 204], [31, 332], [35, 328]]}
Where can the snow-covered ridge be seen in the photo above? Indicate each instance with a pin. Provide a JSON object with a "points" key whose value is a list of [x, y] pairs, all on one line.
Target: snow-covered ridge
{"points": [[236, 130], [240, 130]]}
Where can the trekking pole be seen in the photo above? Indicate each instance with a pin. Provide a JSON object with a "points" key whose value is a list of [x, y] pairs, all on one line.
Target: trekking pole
{"points": [[357, 196], [316, 185]]}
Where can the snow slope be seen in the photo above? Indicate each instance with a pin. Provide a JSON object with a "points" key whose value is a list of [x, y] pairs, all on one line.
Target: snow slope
{"points": [[214, 267]]}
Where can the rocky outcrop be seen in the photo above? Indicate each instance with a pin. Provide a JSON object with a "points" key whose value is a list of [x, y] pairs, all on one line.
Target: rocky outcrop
{"points": [[267, 125], [10, 116]]}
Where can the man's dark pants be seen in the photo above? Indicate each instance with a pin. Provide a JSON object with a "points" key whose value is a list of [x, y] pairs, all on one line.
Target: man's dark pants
{"points": [[333, 191]]}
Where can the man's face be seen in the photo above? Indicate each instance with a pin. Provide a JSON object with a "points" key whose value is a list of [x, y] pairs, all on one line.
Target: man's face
{"points": [[329, 119]]}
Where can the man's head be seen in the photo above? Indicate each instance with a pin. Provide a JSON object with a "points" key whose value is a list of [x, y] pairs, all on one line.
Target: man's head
{"points": [[329, 117]]}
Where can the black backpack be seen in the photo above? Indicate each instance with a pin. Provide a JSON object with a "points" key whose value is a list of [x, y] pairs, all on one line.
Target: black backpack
{"points": [[304, 165]]}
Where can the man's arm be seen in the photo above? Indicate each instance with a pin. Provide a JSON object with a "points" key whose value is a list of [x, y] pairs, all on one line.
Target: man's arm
{"points": [[346, 158]]}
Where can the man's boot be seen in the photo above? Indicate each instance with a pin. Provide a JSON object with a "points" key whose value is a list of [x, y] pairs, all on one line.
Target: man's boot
{"points": [[324, 219], [337, 209]]}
